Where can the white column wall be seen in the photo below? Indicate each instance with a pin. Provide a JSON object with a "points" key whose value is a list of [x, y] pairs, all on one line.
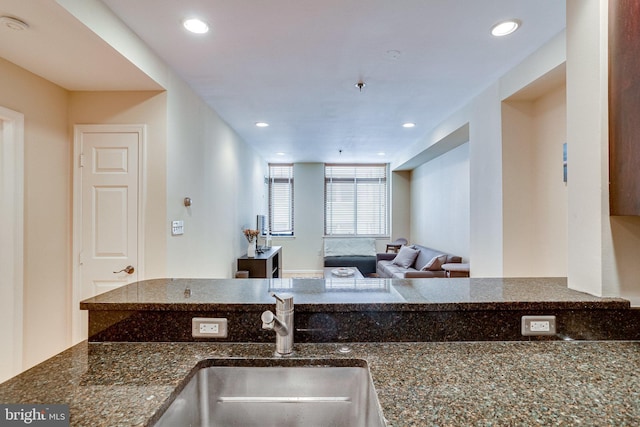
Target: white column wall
{"points": [[303, 253], [586, 140], [400, 208], [485, 153]]}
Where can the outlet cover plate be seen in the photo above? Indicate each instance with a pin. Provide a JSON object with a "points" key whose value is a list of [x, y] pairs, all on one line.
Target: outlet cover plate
{"points": [[209, 327], [538, 325]]}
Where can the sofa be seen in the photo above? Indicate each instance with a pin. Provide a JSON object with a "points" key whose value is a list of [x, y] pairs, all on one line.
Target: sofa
{"points": [[351, 252], [414, 262]]}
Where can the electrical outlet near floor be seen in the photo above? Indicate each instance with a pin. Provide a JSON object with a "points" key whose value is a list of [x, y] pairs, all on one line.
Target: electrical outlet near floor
{"points": [[208, 327], [538, 325]]}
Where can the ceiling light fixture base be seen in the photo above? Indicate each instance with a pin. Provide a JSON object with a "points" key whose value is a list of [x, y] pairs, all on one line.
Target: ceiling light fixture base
{"points": [[13, 23]]}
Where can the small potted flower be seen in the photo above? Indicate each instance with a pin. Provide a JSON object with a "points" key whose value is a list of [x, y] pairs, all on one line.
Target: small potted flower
{"points": [[251, 234]]}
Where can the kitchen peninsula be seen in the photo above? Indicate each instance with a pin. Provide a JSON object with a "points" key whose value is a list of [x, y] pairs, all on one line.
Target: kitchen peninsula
{"points": [[506, 379], [353, 309]]}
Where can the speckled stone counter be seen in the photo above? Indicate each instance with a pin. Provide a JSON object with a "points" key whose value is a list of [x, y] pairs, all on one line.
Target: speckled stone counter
{"points": [[418, 384], [365, 310]]}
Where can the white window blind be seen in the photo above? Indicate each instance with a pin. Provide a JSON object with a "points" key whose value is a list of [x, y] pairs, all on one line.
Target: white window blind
{"points": [[355, 200], [281, 199]]}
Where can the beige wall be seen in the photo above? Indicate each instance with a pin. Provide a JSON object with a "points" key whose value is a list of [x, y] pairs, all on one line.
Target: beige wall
{"points": [[550, 191], [47, 210], [535, 196], [440, 203], [518, 173]]}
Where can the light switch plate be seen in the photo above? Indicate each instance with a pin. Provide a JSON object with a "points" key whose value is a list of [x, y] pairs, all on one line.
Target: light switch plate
{"points": [[177, 228]]}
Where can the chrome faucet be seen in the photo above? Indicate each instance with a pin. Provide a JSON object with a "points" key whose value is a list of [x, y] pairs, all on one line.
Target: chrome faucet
{"points": [[281, 322]]}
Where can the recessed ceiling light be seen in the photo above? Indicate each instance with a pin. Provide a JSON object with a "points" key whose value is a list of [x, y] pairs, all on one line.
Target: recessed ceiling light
{"points": [[382, 153], [262, 124], [196, 26], [505, 27], [408, 125], [280, 154]]}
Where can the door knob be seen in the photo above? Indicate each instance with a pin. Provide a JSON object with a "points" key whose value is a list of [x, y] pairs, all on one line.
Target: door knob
{"points": [[128, 269]]}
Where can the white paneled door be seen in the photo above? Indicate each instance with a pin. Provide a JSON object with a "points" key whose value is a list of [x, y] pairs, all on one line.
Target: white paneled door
{"points": [[108, 218]]}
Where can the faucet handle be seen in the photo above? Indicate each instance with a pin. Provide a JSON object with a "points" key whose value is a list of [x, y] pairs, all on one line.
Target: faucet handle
{"points": [[284, 301], [268, 320], [271, 322]]}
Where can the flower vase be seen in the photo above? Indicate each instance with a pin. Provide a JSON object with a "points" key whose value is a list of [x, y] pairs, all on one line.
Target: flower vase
{"points": [[251, 250]]}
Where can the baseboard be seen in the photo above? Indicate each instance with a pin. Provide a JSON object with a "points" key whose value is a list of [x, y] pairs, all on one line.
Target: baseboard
{"points": [[634, 300]]}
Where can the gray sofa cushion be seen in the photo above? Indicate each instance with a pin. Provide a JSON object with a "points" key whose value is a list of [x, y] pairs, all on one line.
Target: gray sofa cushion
{"points": [[388, 269], [406, 257], [426, 254], [435, 264]]}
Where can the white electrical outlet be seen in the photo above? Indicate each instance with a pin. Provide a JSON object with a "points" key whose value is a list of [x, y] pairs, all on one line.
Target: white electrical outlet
{"points": [[207, 327], [538, 325]]}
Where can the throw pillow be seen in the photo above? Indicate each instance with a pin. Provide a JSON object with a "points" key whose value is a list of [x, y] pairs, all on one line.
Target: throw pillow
{"points": [[406, 257], [435, 264]]}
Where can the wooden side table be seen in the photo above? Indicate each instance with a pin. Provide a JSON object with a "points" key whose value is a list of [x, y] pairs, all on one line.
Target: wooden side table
{"points": [[396, 245], [267, 265], [456, 269]]}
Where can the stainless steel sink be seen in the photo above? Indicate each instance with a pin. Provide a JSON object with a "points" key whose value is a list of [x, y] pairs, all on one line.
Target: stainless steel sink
{"points": [[292, 392]]}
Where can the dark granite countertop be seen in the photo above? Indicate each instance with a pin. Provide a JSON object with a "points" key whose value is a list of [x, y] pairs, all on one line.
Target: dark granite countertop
{"points": [[356, 294], [418, 384]]}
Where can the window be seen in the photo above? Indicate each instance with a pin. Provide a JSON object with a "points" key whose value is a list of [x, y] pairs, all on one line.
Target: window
{"points": [[355, 200], [281, 200]]}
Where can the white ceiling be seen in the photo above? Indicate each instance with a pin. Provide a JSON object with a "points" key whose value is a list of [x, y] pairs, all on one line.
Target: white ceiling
{"points": [[294, 63]]}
